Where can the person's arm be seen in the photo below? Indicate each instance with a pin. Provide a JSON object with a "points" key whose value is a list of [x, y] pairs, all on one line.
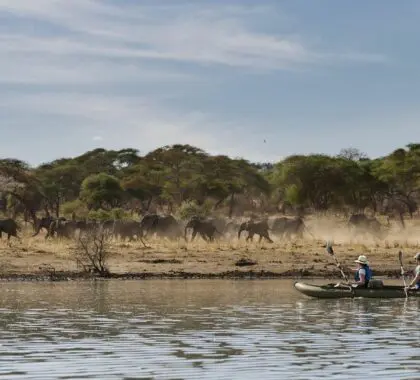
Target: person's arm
{"points": [[362, 277], [415, 279]]}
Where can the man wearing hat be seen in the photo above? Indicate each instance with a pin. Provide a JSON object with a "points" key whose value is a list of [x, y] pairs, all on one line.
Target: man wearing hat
{"points": [[416, 280], [363, 272]]}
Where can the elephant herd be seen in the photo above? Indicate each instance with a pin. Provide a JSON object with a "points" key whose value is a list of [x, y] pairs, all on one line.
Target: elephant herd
{"points": [[166, 226]]}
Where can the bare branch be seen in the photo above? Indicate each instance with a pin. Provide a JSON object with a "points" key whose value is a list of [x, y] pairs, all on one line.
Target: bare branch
{"points": [[92, 252]]}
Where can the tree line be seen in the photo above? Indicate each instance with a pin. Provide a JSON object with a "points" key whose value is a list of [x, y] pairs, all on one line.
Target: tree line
{"points": [[187, 180]]}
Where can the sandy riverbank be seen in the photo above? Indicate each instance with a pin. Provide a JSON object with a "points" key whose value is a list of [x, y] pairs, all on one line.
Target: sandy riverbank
{"points": [[36, 258]]}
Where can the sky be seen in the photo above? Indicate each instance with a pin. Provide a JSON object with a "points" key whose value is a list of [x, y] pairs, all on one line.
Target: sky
{"points": [[258, 80]]}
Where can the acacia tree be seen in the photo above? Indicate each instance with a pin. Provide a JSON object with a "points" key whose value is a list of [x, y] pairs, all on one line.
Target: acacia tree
{"points": [[182, 167], [313, 181], [101, 191], [18, 181], [227, 178], [400, 171], [60, 182], [144, 182]]}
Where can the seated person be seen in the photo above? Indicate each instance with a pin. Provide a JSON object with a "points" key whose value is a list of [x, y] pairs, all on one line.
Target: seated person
{"points": [[415, 284], [363, 272]]}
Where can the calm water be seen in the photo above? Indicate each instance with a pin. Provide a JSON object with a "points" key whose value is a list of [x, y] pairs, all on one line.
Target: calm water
{"points": [[201, 329]]}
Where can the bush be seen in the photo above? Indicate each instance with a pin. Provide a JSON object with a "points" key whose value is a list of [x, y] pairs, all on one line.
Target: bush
{"points": [[119, 214], [101, 191], [92, 252], [191, 208], [76, 206], [100, 215]]}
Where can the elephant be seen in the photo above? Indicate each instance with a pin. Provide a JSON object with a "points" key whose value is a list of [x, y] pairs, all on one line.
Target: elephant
{"points": [[205, 228], [231, 228], [45, 223], [87, 225], [362, 224], [162, 225], [63, 228], [107, 225], [255, 227], [9, 227], [288, 226], [130, 229], [219, 223]]}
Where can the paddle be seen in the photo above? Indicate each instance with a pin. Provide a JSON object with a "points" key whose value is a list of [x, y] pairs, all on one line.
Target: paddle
{"points": [[402, 272], [331, 252]]}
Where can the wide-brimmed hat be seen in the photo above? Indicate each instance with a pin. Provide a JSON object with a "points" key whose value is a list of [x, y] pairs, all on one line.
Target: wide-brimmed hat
{"points": [[417, 256], [362, 259]]}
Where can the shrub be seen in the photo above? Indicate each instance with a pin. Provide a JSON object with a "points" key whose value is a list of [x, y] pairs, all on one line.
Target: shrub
{"points": [[92, 252], [77, 206], [99, 215], [191, 208]]}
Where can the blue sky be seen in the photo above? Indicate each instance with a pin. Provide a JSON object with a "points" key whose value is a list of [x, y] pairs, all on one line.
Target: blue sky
{"points": [[305, 76]]}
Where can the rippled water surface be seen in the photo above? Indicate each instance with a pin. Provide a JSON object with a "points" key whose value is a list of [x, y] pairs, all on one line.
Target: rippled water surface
{"points": [[201, 329]]}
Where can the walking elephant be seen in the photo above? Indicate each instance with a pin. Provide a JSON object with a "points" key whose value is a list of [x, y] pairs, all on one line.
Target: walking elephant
{"points": [[9, 227], [45, 223], [162, 225], [255, 228], [287, 227], [362, 224], [205, 228], [130, 229], [62, 228]]}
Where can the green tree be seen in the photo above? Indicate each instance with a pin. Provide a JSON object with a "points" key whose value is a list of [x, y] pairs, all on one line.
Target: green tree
{"points": [[101, 191], [182, 169], [17, 180], [144, 182], [400, 171], [60, 182]]}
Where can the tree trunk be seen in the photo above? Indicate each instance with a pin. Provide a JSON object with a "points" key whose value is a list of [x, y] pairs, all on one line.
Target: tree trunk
{"points": [[231, 204], [218, 203], [401, 217], [57, 208]]}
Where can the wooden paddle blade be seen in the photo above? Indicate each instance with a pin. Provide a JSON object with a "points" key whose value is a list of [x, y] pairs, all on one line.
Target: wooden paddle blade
{"points": [[400, 257], [329, 248]]}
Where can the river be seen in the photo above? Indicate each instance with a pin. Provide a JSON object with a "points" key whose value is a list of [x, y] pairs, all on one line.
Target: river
{"points": [[201, 329]]}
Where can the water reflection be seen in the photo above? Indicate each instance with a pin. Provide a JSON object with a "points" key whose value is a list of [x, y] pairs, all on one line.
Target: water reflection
{"points": [[201, 328]]}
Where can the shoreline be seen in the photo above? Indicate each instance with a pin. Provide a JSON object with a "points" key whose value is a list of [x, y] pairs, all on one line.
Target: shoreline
{"points": [[37, 259], [60, 276]]}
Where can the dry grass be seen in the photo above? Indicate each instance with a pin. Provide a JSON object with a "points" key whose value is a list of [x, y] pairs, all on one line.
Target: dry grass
{"points": [[220, 256]]}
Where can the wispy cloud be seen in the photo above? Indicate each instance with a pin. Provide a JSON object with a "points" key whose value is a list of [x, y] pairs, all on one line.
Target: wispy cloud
{"points": [[122, 121], [76, 52], [213, 35]]}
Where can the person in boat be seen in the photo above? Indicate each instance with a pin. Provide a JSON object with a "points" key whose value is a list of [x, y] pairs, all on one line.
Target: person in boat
{"points": [[415, 284], [363, 272]]}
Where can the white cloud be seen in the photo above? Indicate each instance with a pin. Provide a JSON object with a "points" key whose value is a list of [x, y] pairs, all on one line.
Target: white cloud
{"points": [[134, 122], [218, 35], [87, 48]]}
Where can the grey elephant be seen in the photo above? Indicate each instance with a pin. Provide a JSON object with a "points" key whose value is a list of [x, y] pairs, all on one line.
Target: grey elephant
{"points": [[9, 227], [45, 223], [62, 228], [288, 226], [130, 229], [162, 225], [362, 224], [255, 228], [205, 228]]}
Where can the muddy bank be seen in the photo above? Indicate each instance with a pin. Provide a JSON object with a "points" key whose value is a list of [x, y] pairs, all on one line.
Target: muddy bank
{"points": [[37, 259], [233, 275]]}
